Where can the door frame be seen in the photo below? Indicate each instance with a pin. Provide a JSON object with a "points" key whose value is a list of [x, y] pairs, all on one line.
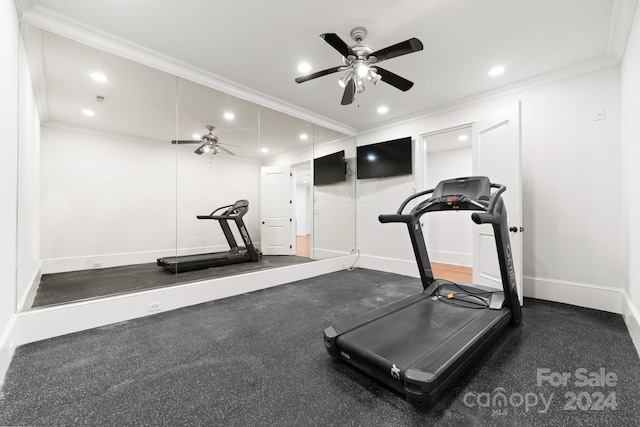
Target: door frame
{"points": [[421, 175]]}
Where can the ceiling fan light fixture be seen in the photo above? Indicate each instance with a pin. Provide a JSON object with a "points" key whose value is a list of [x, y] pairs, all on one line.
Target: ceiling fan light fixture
{"points": [[206, 148], [374, 77], [358, 62], [348, 75], [362, 70]]}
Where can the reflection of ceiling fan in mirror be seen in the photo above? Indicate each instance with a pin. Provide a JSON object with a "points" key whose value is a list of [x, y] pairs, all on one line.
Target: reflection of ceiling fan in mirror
{"points": [[360, 63], [208, 143]]}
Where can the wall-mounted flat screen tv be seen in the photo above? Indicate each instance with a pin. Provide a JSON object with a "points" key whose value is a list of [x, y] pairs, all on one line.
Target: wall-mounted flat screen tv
{"points": [[389, 158], [329, 169]]}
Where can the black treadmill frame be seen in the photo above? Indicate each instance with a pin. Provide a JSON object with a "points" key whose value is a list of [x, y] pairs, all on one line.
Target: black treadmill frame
{"points": [[236, 254], [419, 387]]}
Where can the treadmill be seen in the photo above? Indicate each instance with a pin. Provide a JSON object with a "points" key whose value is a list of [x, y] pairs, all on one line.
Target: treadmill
{"points": [[236, 254], [421, 344]]}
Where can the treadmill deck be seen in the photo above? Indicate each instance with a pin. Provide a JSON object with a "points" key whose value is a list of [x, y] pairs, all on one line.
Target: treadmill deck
{"points": [[417, 345]]}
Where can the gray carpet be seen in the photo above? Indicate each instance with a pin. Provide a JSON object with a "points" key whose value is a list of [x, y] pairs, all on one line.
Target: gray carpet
{"points": [[258, 360], [62, 288]]}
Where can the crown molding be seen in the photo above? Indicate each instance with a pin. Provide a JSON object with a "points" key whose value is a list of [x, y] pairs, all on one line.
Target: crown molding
{"points": [[620, 27], [46, 19], [22, 5], [62, 25], [573, 70]]}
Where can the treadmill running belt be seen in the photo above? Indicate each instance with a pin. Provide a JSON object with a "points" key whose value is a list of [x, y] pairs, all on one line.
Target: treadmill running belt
{"points": [[425, 333]]}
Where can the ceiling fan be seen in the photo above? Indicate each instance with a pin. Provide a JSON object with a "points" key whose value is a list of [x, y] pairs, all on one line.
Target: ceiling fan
{"points": [[360, 63], [209, 143]]}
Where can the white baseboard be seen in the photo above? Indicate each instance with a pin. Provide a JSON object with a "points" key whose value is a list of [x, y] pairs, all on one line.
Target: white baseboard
{"points": [[319, 253], [49, 322], [26, 300], [7, 347], [631, 317], [63, 265], [580, 294]]}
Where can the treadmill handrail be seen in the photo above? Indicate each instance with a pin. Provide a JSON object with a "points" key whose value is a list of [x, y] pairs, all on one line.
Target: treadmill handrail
{"points": [[238, 212], [494, 196], [220, 208], [424, 206], [410, 198], [384, 218]]}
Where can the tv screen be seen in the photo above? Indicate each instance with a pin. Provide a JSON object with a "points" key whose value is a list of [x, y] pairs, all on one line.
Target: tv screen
{"points": [[329, 169], [389, 158]]}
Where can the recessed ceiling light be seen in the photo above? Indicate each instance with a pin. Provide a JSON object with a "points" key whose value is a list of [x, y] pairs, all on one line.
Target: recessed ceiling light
{"points": [[196, 136], [463, 137], [304, 136], [88, 112], [304, 67], [383, 109], [496, 71], [229, 115], [264, 149], [99, 77]]}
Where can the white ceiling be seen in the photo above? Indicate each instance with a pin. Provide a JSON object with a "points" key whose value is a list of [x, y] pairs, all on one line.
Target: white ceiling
{"points": [[252, 48]]}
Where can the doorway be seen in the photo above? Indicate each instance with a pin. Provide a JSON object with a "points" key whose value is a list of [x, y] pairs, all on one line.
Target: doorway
{"points": [[302, 201], [449, 237]]}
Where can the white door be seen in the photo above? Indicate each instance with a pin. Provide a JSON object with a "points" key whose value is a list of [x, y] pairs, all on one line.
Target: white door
{"points": [[496, 154], [276, 211]]}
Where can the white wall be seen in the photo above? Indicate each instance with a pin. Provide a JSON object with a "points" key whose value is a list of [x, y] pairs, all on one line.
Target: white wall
{"points": [[28, 273], [9, 42], [573, 242], [630, 88], [113, 201]]}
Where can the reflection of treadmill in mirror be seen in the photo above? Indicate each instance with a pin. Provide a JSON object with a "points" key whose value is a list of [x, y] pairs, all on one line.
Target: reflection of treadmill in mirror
{"points": [[235, 255], [422, 344]]}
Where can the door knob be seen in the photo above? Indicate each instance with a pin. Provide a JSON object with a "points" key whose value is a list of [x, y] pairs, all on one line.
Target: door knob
{"points": [[513, 229]]}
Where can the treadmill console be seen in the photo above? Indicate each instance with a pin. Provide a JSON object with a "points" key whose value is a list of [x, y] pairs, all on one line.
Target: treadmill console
{"points": [[473, 187]]}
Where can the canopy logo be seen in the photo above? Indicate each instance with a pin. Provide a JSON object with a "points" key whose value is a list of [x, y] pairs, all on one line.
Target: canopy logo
{"points": [[596, 399]]}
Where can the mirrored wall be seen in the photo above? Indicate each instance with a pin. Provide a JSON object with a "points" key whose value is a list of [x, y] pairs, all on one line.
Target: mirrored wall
{"points": [[125, 165]]}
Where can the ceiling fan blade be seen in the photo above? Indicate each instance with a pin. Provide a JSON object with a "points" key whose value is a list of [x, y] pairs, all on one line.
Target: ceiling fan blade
{"points": [[226, 151], [338, 44], [394, 79], [349, 93], [399, 49], [317, 74], [187, 141], [200, 149], [229, 145]]}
